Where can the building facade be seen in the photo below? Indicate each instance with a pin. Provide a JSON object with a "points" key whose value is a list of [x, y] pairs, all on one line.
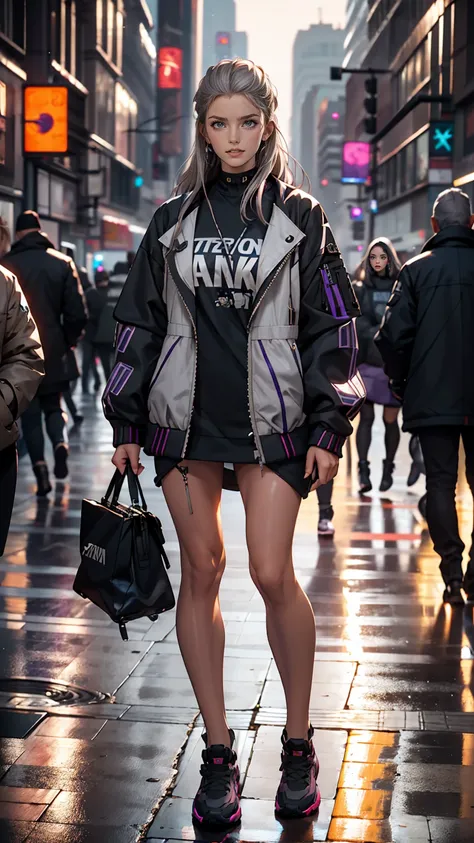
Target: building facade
{"points": [[356, 38], [96, 197], [427, 47], [221, 40], [330, 190], [314, 50]]}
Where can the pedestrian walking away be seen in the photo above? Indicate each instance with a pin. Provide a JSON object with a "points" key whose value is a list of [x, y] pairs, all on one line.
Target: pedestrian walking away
{"points": [[426, 343], [374, 281], [237, 299], [21, 370], [104, 335], [94, 303], [52, 288]]}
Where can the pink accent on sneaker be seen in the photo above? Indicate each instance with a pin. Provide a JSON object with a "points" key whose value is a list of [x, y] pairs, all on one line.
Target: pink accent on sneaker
{"points": [[218, 760], [297, 753], [235, 816], [198, 817], [277, 807], [314, 807]]}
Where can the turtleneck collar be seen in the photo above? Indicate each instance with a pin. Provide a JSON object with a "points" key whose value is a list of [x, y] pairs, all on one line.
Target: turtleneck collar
{"points": [[236, 181]]}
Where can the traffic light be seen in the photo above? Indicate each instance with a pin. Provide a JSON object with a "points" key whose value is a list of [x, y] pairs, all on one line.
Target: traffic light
{"points": [[335, 74], [370, 103], [358, 230]]}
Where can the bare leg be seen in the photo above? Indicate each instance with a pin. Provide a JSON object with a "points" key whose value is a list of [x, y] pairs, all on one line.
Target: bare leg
{"points": [[271, 508], [199, 623]]}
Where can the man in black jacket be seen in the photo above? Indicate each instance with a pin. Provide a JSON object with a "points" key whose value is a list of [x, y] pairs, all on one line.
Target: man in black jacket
{"points": [[427, 343], [54, 294]]}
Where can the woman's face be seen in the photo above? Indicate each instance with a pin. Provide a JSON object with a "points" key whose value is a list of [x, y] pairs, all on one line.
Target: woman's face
{"points": [[378, 260], [235, 129]]}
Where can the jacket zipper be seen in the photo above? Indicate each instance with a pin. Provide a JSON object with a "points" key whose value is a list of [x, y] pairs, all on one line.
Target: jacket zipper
{"points": [[258, 441], [293, 347]]}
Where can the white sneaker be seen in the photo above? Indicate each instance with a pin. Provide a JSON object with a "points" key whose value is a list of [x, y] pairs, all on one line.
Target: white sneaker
{"points": [[326, 527]]}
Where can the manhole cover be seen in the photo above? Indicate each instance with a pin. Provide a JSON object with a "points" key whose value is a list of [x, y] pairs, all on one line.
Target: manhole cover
{"points": [[47, 693]]}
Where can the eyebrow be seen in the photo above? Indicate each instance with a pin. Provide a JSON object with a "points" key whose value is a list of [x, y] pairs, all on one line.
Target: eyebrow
{"points": [[223, 119]]}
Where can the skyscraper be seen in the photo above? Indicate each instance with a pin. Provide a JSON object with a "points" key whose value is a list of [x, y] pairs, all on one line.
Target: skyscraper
{"points": [[220, 38], [356, 39], [314, 51]]}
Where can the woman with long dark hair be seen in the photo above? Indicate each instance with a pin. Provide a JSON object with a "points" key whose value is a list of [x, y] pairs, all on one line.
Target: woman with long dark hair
{"points": [[235, 368], [374, 280]]}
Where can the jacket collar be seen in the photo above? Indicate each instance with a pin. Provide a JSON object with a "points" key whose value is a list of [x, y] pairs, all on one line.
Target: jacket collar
{"points": [[282, 236], [452, 235], [35, 240]]}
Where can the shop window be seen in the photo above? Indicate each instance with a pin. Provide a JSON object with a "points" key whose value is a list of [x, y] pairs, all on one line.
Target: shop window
{"points": [[125, 123], [104, 104], [109, 29], [12, 21]]}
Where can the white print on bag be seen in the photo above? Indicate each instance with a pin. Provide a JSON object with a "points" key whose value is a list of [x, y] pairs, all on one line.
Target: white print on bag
{"points": [[215, 271], [93, 551]]}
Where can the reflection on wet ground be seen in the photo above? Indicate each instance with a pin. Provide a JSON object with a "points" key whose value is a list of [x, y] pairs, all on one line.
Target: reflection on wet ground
{"points": [[392, 699]]}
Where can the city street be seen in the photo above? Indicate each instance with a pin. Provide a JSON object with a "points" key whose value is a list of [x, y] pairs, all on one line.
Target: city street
{"points": [[393, 694]]}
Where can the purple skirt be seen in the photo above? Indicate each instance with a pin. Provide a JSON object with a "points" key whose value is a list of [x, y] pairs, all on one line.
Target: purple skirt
{"points": [[376, 384]]}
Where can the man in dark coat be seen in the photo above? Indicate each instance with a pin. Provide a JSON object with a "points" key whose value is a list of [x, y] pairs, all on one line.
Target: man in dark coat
{"points": [[427, 343], [54, 294]]}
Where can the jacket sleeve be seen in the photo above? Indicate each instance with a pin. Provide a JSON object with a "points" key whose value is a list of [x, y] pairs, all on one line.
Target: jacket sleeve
{"points": [[327, 341], [21, 355], [74, 306], [396, 336], [142, 317]]}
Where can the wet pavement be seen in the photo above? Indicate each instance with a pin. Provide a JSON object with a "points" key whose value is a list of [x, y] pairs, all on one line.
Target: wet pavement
{"points": [[392, 701]]}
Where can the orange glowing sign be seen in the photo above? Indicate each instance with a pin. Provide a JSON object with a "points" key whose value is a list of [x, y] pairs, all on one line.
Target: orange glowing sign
{"points": [[45, 117], [170, 68]]}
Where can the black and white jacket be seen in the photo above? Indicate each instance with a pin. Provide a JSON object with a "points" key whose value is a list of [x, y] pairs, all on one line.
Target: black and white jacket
{"points": [[303, 385]]}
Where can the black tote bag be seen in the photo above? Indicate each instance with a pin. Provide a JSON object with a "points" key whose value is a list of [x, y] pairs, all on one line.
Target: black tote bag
{"points": [[123, 567]]}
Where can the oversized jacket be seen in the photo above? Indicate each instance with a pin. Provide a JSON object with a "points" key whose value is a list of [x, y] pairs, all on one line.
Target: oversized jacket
{"points": [[427, 336], [54, 294], [21, 357], [303, 385], [373, 295]]}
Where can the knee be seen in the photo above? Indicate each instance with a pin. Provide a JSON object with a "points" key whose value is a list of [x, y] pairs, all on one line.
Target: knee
{"points": [[271, 580], [203, 568]]}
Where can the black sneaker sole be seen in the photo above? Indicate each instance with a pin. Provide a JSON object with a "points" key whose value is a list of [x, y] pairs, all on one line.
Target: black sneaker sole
{"points": [[61, 454], [217, 825], [289, 814]]}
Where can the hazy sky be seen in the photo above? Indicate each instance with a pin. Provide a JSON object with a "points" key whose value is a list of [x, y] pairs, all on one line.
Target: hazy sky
{"points": [[272, 26]]}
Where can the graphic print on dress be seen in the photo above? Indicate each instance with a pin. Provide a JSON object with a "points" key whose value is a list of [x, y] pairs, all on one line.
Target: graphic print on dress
{"points": [[211, 267]]}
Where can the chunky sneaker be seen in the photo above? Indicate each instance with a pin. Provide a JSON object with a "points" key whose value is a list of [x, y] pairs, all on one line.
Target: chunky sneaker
{"points": [[217, 802], [298, 794], [453, 594], [61, 453], [326, 528]]}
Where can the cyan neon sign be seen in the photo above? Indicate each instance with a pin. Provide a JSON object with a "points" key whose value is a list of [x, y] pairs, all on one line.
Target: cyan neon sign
{"points": [[441, 139]]}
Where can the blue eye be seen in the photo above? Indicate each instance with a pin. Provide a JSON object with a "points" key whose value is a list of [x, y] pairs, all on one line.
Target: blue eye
{"points": [[217, 124], [250, 123]]}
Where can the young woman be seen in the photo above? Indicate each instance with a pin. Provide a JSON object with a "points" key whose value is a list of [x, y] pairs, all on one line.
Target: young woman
{"points": [[235, 368], [374, 281]]}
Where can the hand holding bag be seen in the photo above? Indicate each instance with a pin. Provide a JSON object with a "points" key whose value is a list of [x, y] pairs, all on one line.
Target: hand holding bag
{"points": [[123, 561]]}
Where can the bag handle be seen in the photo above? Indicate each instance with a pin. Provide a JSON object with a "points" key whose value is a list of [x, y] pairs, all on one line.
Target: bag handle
{"points": [[115, 487]]}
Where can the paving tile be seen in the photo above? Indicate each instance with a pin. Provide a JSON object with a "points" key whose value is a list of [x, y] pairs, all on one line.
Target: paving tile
{"points": [[127, 806], [35, 796], [363, 804], [18, 724], [57, 833], [21, 811], [451, 830], [14, 832], [10, 750], [178, 692], [397, 830], [324, 696], [69, 727], [368, 776], [259, 824]]}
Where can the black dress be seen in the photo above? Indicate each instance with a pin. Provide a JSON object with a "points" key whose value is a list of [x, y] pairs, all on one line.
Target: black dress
{"points": [[221, 429]]}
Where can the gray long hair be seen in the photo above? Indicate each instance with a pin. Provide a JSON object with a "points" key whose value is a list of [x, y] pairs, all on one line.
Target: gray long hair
{"points": [[236, 76]]}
